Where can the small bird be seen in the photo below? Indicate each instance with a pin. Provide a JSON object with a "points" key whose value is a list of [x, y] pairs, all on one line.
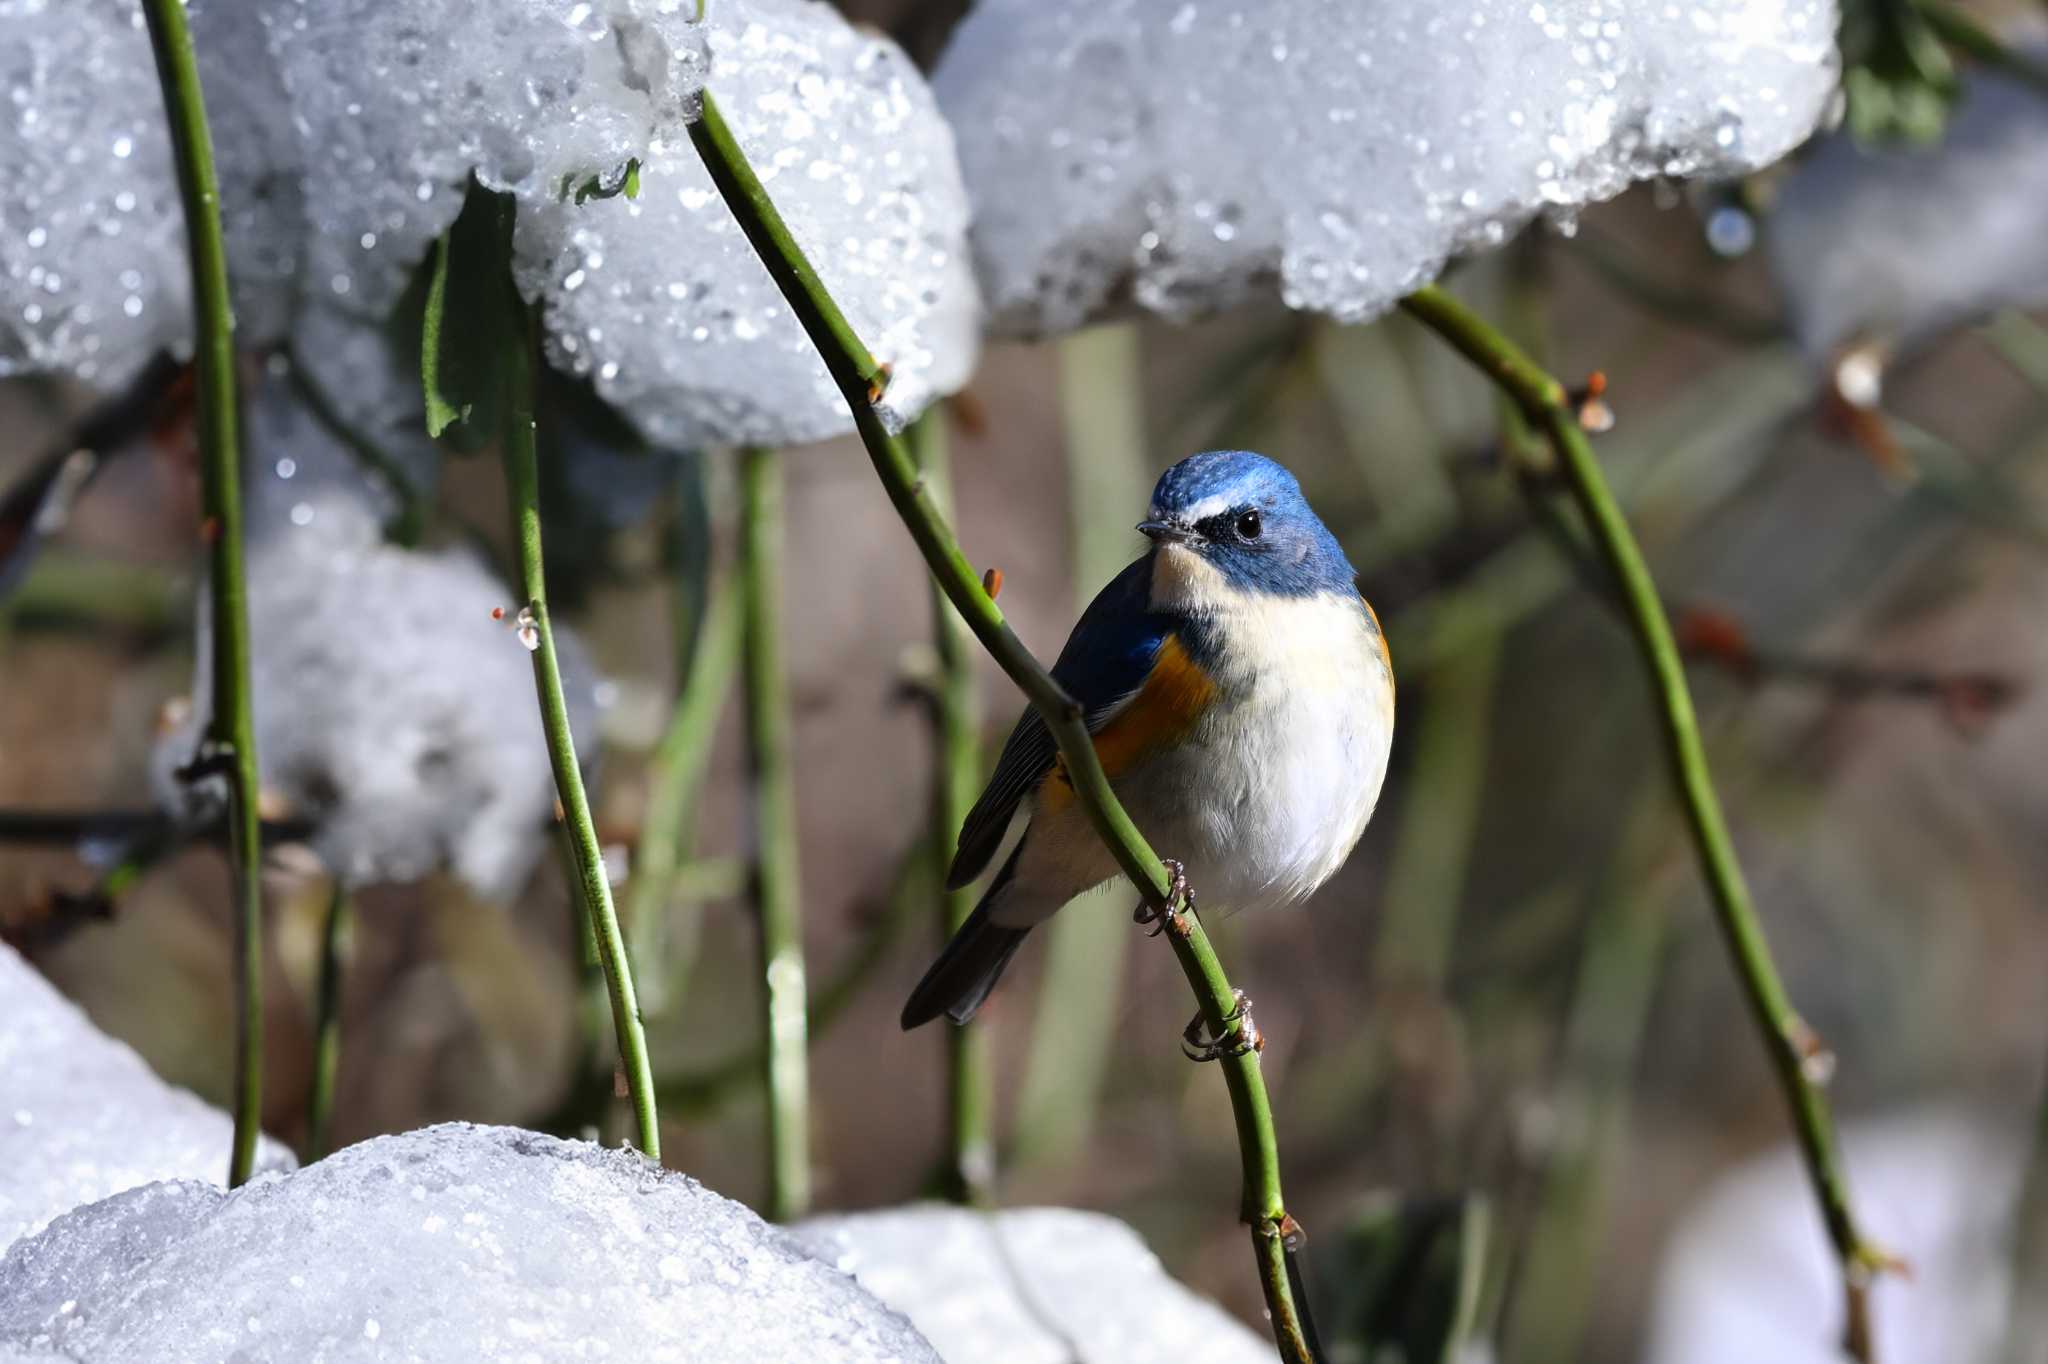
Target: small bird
{"points": [[1241, 700]]}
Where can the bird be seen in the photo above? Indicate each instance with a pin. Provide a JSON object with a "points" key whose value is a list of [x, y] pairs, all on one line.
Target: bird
{"points": [[1240, 696]]}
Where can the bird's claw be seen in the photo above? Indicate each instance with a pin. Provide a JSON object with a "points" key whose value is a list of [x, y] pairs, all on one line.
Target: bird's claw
{"points": [[1179, 897], [1240, 1034]]}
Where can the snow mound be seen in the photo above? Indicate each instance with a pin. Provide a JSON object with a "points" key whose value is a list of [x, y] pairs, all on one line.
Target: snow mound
{"points": [[1899, 244], [346, 132], [92, 246], [453, 1243], [1749, 1274], [1030, 1286], [397, 104], [1177, 157], [82, 1116], [392, 710], [661, 300], [93, 271]]}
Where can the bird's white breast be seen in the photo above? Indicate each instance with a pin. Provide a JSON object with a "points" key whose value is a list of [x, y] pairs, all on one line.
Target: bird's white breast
{"points": [[1284, 769]]}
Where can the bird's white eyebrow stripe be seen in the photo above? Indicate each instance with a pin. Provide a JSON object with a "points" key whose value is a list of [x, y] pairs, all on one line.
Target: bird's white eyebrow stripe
{"points": [[1200, 511]]}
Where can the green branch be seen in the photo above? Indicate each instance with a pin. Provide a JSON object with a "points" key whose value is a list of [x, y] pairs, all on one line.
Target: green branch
{"points": [[956, 774], [777, 878], [229, 745], [1080, 986], [1790, 1042], [860, 380], [522, 479], [336, 931], [675, 777], [703, 1089]]}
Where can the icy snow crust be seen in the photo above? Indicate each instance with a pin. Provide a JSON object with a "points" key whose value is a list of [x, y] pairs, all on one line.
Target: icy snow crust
{"points": [[82, 1116], [391, 710], [92, 277], [93, 272], [346, 131], [662, 301], [453, 1243], [397, 103], [1900, 244], [1177, 157], [1030, 1286]]}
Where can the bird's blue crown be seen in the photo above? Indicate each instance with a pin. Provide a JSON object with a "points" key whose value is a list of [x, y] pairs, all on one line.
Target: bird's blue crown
{"points": [[1244, 514]]}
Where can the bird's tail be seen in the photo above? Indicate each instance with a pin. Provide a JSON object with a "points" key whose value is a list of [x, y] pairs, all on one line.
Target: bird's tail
{"points": [[970, 965]]}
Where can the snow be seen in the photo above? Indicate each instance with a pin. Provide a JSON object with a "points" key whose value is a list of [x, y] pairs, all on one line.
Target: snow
{"points": [[347, 131], [1749, 1274], [83, 1117], [1896, 245], [661, 300], [1030, 1286], [391, 709], [372, 383], [1178, 157], [92, 264], [93, 271], [453, 1243], [397, 104], [256, 155]]}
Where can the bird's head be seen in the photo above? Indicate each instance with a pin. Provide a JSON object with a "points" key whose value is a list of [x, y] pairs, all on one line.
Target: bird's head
{"points": [[1243, 516]]}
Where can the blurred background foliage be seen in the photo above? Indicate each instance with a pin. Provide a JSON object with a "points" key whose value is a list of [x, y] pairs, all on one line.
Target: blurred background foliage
{"points": [[1505, 1035]]}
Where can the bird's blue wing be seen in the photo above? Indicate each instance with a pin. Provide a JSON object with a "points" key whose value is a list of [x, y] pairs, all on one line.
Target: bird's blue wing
{"points": [[1104, 663]]}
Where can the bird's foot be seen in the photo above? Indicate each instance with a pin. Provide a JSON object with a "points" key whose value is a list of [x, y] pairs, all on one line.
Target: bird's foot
{"points": [[1240, 1034], [1180, 897]]}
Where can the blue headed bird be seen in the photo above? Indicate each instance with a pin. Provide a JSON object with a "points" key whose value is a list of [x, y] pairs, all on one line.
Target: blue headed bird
{"points": [[1241, 700]]}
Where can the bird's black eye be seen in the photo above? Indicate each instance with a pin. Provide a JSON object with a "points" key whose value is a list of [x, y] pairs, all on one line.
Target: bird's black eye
{"points": [[1248, 525]]}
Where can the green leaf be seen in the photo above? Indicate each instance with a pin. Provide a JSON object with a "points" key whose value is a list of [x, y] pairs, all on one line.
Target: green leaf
{"points": [[470, 301], [625, 180]]}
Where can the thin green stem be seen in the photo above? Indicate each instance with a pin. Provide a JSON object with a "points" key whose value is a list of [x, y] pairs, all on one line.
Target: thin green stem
{"points": [[337, 929], [675, 778], [1790, 1042], [705, 1088], [856, 373], [1961, 31], [777, 887], [522, 479], [956, 773], [1073, 1027], [1701, 310], [409, 518], [229, 746], [1558, 1263]]}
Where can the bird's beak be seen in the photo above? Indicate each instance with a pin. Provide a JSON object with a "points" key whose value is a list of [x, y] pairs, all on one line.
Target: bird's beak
{"points": [[1165, 532]]}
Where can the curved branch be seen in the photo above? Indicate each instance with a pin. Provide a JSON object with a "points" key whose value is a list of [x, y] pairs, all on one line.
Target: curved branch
{"points": [[1793, 1048], [861, 380]]}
